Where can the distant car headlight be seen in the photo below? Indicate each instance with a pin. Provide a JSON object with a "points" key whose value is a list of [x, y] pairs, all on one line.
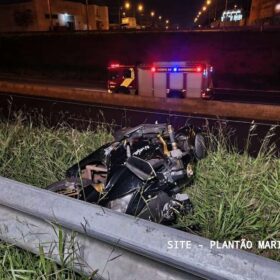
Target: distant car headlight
{"points": [[120, 204]]}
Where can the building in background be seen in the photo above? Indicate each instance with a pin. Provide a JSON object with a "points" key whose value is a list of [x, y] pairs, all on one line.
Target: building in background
{"points": [[128, 23], [232, 17], [44, 15], [264, 12], [223, 13]]}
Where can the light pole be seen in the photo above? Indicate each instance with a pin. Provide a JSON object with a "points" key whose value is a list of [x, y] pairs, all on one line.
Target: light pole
{"points": [[119, 12], [208, 3], [167, 24], [140, 9], [50, 14], [127, 7], [87, 18], [216, 7], [152, 19], [159, 22]]}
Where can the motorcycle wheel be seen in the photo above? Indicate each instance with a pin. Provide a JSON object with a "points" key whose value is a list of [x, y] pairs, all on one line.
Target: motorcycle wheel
{"points": [[199, 146]]}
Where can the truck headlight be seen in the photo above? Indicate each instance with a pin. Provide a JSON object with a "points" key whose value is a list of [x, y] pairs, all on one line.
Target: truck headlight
{"points": [[120, 204]]}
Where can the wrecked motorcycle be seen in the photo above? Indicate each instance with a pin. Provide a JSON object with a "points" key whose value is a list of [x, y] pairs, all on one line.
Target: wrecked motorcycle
{"points": [[141, 173]]}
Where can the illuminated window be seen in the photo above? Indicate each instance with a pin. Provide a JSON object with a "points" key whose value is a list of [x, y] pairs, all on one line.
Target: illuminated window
{"points": [[232, 15]]}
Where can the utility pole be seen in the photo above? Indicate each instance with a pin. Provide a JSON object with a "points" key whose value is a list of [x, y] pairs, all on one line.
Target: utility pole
{"points": [[134, 9], [215, 13], [50, 14], [119, 13], [87, 18]]}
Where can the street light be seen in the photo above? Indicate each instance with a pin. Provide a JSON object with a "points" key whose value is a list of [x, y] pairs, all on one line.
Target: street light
{"points": [[167, 21], [277, 8], [127, 5], [208, 2], [140, 8], [159, 17], [204, 8], [152, 13]]}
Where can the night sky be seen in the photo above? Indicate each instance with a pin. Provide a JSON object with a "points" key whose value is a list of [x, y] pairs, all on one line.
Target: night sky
{"points": [[180, 12]]}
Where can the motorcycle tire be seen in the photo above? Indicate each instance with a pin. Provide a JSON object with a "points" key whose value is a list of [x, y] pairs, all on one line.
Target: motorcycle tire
{"points": [[199, 146]]}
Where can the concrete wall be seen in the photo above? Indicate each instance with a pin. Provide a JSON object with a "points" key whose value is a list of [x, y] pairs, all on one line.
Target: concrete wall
{"points": [[20, 17], [238, 57], [103, 17], [98, 17], [260, 10], [59, 7]]}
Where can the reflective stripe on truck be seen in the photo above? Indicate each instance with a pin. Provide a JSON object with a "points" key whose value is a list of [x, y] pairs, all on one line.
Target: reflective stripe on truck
{"points": [[127, 81]]}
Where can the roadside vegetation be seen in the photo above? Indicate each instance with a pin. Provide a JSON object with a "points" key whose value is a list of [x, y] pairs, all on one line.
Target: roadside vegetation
{"points": [[235, 196], [39, 156]]}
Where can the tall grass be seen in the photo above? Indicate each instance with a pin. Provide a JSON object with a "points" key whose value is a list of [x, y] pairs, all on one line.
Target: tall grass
{"points": [[40, 156], [237, 196], [16, 263]]}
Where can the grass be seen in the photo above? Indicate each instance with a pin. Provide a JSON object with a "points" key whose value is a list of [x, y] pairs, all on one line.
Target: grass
{"points": [[235, 196], [40, 156], [16, 263]]}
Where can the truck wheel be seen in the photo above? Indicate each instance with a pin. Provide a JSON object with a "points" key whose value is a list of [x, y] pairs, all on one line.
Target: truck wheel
{"points": [[123, 90]]}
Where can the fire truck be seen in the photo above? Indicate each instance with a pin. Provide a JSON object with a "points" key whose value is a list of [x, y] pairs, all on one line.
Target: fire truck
{"points": [[162, 79]]}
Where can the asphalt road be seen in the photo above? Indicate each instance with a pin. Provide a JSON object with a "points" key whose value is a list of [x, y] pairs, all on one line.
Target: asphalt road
{"points": [[252, 96], [90, 85]]}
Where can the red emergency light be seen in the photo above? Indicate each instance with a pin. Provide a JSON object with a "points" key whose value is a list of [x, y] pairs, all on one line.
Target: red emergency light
{"points": [[115, 65], [198, 69], [153, 69]]}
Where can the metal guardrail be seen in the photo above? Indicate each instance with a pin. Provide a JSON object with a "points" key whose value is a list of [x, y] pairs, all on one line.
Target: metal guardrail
{"points": [[117, 245]]}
